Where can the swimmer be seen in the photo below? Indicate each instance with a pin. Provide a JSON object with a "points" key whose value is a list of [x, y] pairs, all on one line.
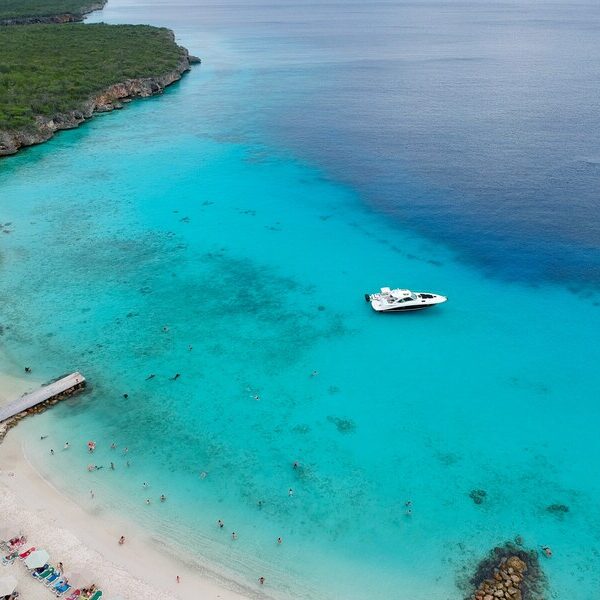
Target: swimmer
{"points": [[234, 536], [145, 485], [66, 446], [261, 580], [190, 348], [295, 465], [27, 370], [148, 501], [260, 504], [112, 466], [314, 373], [203, 474], [151, 376], [256, 397], [290, 492], [52, 451], [125, 396], [43, 437], [175, 377], [165, 329], [162, 497], [279, 540], [121, 540], [113, 446], [220, 524], [547, 551]]}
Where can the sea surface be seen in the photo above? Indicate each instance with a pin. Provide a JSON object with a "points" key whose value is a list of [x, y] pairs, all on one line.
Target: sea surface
{"points": [[227, 232]]}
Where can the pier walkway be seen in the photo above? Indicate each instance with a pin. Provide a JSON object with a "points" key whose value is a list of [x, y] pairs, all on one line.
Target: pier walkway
{"points": [[67, 384]]}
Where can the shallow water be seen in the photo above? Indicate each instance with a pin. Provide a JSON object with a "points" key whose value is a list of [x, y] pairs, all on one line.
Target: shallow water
{"points": [[187, 211]]}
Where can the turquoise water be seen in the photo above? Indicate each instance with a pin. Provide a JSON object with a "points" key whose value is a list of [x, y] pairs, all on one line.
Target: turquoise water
{"points": [[177, 213]]}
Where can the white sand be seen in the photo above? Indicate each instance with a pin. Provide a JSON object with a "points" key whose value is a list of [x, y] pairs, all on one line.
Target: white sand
{"points": [[88, 544]]}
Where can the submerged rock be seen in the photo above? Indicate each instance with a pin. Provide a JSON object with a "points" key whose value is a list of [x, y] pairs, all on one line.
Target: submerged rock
{"points": [[558, 509], [343, 425]]}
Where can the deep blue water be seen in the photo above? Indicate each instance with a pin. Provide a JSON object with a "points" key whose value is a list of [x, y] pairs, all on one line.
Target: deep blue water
{"points": [[319, 152], [472, 122]]}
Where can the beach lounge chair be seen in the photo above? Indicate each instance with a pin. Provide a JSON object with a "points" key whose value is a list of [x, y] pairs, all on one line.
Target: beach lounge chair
{"points": [[74, 596], [25, 554], [37, 572], [61, 588], [46, 573], [52, 578], [96, 595], [9, 559]]}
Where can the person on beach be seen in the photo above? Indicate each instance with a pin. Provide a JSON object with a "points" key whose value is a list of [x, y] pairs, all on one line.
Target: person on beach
{"points": [[260, 504], [121, 540], [261, 580], [177, 579], [162, 497], [60, 567]]}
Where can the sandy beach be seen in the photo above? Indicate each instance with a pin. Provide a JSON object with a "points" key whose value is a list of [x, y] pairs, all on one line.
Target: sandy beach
{"points": [[88, 544]]}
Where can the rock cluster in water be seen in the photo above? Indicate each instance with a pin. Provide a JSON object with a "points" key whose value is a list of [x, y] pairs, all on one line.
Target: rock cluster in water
{"points": [[509, 573]]}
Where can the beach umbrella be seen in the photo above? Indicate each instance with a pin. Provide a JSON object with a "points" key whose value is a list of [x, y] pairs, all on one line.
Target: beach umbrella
{"points": [[37, 559], [7, 585]]}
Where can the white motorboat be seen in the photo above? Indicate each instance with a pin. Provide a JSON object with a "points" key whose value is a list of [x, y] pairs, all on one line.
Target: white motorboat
{"points": [[398, 300]]}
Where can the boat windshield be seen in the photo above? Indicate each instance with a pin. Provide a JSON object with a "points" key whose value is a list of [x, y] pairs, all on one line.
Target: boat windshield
{"points": [[413, 296]]}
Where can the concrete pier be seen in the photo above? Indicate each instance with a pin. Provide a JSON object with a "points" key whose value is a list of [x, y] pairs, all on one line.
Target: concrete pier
{"points": [[53, 391]]}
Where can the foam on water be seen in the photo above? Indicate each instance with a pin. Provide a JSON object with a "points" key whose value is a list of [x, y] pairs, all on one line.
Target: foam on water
{"points": [[168, 214]]}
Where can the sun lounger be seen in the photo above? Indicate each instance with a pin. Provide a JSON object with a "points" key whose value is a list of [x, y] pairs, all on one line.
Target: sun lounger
{"points": [[37, 572], [96, 595], [46, 573], [25, 554], [52, 578], [62, 588], [74, 596]]}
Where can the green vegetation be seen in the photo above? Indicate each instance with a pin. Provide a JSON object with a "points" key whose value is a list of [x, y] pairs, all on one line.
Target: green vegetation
{"points": [[11, 9], [49, 69]]}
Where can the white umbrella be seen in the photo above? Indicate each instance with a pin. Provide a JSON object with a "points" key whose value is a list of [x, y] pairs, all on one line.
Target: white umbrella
{"points": [[7, 585], [37, 559]]}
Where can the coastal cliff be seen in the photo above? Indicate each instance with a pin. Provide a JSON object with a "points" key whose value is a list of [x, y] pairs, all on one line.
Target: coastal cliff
{"points": [[110, 98], [65, 17]]}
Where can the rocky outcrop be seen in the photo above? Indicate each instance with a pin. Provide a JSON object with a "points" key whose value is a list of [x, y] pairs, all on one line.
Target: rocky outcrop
{"points": [[60, 18], [508, 573], [107, 100]]}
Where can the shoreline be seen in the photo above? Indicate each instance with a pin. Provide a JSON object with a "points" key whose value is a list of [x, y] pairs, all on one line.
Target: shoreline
{"points": [[140, 567], [107, 100]]}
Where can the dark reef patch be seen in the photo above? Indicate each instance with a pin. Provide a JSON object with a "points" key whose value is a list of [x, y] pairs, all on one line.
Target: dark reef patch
{"points": [[558, 510], [342, 425], [478, 496]]}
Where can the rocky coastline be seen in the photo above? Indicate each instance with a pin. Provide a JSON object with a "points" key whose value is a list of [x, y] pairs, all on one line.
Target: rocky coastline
{"points": [[59, 18], [107, 100]]}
